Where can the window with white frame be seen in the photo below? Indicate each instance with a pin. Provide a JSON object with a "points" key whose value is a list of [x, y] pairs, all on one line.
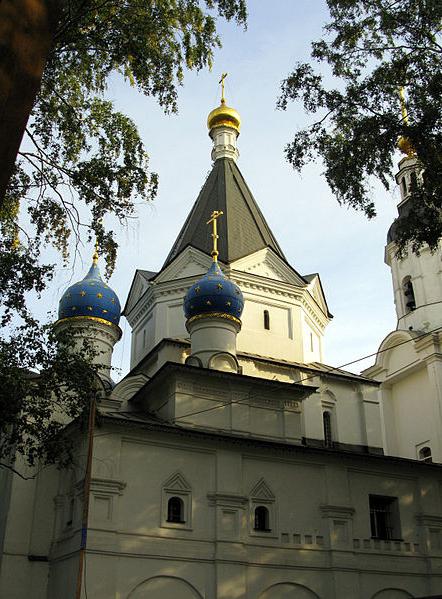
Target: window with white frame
{"points": [[262, 510], [176, 503]]}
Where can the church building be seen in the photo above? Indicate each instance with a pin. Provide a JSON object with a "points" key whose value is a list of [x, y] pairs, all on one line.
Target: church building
{"points": [[231, 462]]}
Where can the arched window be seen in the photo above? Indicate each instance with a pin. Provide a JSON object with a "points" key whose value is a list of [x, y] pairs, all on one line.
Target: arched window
{"points": [[328, 433], [261, 518], [404, 187], [266, 320], [175, 510], [407, 286], [425, 455]]}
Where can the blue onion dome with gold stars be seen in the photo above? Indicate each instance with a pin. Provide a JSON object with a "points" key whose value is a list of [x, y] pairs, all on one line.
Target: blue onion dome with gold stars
{"points": [[214, 295], [90, 298]]}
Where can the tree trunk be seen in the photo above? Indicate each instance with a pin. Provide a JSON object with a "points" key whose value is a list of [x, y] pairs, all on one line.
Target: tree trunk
{"points": [[26, 32]]}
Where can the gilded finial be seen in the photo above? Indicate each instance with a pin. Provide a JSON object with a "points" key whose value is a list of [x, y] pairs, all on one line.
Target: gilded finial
{"points": [[213, 218], [223, 115], [403, 106], [221, 81], [95, 255], [403, 142]]}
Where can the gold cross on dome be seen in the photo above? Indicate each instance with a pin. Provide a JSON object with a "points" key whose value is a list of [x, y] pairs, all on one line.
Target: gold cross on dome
{"points": [[223, 76], [213, 218], [95, 256], [404, 106]]}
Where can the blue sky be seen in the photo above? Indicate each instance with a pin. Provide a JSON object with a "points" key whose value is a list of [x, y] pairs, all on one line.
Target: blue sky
{"points": [[315, 234]]}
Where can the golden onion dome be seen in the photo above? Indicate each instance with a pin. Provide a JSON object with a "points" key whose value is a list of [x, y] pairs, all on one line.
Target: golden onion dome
{"points": [[404, 145], [224, 116]]}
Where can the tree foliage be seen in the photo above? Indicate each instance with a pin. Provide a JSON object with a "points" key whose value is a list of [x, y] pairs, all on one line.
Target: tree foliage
{"points": [[80, 161], [78, 149], [373, 48], [36, 406]]}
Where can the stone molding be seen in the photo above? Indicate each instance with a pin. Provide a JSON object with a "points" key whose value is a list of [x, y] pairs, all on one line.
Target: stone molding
{"points": [[429, 520], [227, 500], [246, 280], [107, 486], [262, 492], [337, 511]]}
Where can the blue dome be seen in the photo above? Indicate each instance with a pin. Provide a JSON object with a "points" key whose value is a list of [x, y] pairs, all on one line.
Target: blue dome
{"points": [[214, 293], [90, 297]]}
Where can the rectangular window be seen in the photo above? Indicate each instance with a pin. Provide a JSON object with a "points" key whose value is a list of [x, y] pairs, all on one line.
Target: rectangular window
{"points": [[384, 517], [266, 320]]}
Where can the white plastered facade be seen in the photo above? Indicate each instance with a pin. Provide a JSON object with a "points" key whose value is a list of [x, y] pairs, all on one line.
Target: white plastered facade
{"points": [[297, 310], [409, 360], [226, 444]]}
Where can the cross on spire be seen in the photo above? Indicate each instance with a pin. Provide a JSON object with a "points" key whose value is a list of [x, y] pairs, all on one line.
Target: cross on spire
{"points": [[404, 106], [213, 218], [221, 81], [95, 255], [403, 142]]}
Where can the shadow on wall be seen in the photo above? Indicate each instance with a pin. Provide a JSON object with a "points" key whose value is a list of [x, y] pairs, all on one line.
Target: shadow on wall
{"points": [[164, 587], [287, 590]]}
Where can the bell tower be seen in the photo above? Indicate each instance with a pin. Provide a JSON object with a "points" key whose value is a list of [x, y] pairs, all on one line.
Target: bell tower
{"points": [[417, 279]]}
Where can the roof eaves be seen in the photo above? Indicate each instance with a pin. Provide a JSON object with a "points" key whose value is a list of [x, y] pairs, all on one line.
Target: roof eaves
{"points": [[225, 436]]}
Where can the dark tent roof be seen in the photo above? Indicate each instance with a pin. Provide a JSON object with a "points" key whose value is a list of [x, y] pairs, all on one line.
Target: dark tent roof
{"points": [[242, 229]]}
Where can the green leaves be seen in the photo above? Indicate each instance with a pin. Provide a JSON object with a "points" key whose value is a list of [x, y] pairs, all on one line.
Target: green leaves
{"points": [[35, 407], [373, 47], [82, 160]]}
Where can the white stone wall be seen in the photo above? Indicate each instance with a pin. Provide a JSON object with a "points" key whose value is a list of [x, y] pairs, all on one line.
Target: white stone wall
{"points": [[319, 515], [425, 272], [28, 533], [410, 368], [297, 313]]}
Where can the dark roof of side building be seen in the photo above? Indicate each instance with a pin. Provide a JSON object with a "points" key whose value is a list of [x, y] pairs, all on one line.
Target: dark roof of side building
{"points": [[403, 209], [242, 229]]}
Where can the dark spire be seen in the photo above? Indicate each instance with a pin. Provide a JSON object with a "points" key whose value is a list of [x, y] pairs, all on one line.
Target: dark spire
{"points": [[242, 230]]}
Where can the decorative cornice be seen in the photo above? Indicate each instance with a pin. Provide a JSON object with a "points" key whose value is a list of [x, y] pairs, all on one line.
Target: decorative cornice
{"points": [[227, 500], [108, 330], [429, 520], [430, 341], [245, 280], [337, 511], [109, 486], [221, 315], [88, 318]]}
